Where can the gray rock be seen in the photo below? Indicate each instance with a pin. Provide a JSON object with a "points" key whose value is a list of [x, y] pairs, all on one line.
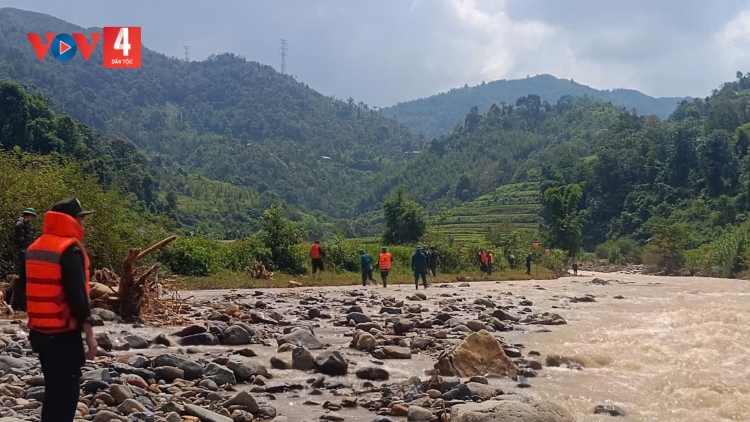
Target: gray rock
{"points": [[106, 415], [504, 316], [358, 318], [137, 341], [138, 361], [127, 369], [302, 359], [205, 415], [98, 374], [395, 352], [510, 411], [331, 362], [243, 398], [120, 392], [131, 406], [475, 325], [191, 330], [105, 314], [169, 373], [421, 343], [35, 381], [418, 414], [482, 390], [235, 336], [512, 352], [301, 337], [244, 369], [9, 362], [35, 393], [219, 374], [551, 319], [162, 340], [173, 417], [191, 369], [203, 339], [609, 409], [408, 389], [373, 373]]}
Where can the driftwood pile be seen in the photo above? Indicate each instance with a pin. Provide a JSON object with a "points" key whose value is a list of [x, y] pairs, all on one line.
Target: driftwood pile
{"points": [[258, 270], [138, 294]]}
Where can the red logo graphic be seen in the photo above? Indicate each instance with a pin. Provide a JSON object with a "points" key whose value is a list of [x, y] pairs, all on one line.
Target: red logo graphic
{"points": [[122, 46]]}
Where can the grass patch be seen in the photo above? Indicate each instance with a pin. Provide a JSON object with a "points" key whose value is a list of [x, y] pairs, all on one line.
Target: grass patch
{"points": [[237, 280]]}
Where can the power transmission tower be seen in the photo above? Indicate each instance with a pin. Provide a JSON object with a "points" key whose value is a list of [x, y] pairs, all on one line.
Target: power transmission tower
{"points": [[283, 56], [187, 53]]}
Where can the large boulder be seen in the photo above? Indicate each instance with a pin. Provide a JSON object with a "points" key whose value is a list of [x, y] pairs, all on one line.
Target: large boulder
{"points": [[236, 336], [510, 411], [301, 337], [331, 362], [191, 369], [478, 354]]}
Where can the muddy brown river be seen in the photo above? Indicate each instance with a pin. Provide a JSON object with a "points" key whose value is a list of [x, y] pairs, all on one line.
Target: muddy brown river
{"points": [[661, 348]]}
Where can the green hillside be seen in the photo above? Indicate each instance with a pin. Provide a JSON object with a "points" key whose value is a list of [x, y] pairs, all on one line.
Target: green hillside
{"points": [[225, 118], [438, 114], [508, 144], [515, 205]]}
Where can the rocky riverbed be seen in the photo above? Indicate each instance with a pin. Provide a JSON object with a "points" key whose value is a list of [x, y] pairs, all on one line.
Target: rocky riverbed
{"points": [[451, 352]]}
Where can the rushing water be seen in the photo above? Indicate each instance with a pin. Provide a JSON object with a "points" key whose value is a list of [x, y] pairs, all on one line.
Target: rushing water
{"points": [[674, 349], [671, 350]]}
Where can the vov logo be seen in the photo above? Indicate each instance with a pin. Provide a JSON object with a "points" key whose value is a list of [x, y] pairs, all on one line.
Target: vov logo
{"points": [[122, 46]]}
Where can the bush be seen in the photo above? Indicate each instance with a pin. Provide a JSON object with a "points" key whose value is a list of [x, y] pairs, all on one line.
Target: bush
{"points": [[729, 255], [202, 256], [342, 255], [29, 180], [620, 251]]}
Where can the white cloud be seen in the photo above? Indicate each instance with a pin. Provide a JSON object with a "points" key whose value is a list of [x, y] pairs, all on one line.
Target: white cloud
{"points": [[732, 44]]}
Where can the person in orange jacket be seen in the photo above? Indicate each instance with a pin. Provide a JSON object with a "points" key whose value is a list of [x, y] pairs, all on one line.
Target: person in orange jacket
{"points": [[57, 295], [384, 265], [316, 257]]}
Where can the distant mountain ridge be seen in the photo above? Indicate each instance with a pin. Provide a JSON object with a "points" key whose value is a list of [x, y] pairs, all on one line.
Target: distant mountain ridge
{"points": [[437, 115]]}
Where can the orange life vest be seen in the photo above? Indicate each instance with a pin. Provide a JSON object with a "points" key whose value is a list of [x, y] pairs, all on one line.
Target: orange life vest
{"points": [[483, 257], [315, 251], [491, 258], [47, 308], [385, 261]]}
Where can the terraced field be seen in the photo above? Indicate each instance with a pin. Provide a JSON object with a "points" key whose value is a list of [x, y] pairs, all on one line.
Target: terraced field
{"points": [[515, 204]]}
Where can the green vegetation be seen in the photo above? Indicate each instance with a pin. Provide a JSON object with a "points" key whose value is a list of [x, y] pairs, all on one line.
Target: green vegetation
{"points": [[404, 220], [438, 114], [226, 119]]}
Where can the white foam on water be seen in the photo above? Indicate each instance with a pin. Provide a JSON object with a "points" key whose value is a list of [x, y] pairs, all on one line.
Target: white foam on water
{"points": [[679, 351]]}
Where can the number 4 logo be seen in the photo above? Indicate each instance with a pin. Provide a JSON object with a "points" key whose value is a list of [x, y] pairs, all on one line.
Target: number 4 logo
{"points": [[122, 47]]}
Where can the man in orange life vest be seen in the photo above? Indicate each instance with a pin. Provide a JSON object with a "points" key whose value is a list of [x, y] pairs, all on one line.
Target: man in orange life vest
{"points": [[57, 294], [384, 264], [316, 256]]}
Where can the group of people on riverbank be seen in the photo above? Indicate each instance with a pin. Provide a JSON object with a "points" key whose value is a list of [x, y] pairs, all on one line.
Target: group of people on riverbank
{"points": [[424, 261]]}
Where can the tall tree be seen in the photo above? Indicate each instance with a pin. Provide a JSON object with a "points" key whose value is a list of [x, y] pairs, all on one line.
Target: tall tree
{"points": [[562, 217], [404, 220]]}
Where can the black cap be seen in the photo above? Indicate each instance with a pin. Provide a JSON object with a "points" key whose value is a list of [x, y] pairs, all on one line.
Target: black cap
{"points": [[72, 207]]}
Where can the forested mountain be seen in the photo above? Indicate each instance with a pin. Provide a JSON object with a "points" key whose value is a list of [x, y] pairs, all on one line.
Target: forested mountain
{"points": [[224, 118], [508, 144], [690, 174], [438, 114]]}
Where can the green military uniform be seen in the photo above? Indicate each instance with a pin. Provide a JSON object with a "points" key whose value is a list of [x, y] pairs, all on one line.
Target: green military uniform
{"points": [[419, 266]]}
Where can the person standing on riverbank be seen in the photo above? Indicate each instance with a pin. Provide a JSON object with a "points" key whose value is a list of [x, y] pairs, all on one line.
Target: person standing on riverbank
{"points": [[316, 258], [529, 260], [57, 292], [384, 265], [432, 261], [490, 262], [366, 266], [23, 238], [419, 267]]}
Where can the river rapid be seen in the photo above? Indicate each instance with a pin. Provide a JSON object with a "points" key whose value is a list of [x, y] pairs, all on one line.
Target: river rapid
{"points": [[673, 349]]}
